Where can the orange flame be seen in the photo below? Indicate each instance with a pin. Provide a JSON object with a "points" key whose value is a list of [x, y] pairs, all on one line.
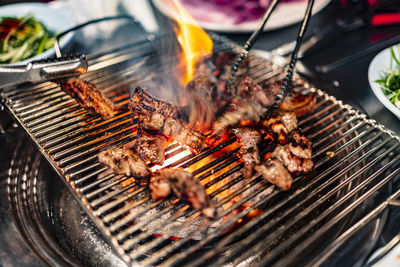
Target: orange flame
{"points": [[194, 41]]}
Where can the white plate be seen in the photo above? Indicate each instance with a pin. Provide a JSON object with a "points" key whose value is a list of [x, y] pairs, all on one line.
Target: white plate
{"points": [[379, 64], [56, 20], [285, 14]]}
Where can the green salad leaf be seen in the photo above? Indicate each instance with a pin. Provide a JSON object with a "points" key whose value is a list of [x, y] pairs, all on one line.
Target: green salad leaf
{"points": [[22, 38], [390, 81]]}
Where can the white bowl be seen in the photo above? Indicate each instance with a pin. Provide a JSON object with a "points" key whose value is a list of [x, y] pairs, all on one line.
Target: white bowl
{"points": [[284, 15], [56, 20], [383, 61]]}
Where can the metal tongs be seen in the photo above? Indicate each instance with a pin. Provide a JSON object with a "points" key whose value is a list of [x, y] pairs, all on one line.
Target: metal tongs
{"points": [[54, 69], [245, 50], [37, 71]]}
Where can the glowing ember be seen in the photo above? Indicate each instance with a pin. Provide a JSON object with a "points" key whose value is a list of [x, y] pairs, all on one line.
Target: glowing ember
{"points": [[194, 41], [172, 159]]}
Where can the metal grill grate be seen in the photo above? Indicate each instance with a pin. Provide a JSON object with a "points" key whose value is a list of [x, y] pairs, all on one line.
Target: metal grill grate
{"points": [[354, 159]]}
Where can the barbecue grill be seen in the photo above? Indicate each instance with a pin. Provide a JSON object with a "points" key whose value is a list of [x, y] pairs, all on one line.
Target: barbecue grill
{"points": [[356, 163]]}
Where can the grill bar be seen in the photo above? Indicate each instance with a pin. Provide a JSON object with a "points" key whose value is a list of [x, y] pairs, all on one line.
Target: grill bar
{"points": [[252, 224], [351, 231], [351, 207], [298, 234], [354, 158]]}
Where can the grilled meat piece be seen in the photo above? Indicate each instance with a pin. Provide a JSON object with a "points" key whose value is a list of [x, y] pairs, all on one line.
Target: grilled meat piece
{"points": [[124, 161], [274, 172], [280, 123], [153, 122], [299, 103], [87, 95], [174, 129], [160, 187], [275, 85], [164, 118], [185, 186], [294, 164], [251, 103], [300, 145], [151, 147], [143, 103], [249, 138], [219, 65], [252, 91], [246, 110]]}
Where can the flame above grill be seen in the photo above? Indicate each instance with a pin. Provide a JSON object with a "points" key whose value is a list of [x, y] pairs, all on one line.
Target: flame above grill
{"points": [[194, 41]]}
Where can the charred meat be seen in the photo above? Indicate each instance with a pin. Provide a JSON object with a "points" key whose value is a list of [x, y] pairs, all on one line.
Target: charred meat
{"points": [[219, 65], [274, 172], [87, 95], [163, 117], [300, 145], [151, 147], [299, 103], [249, 138], [185, 186], [125, 161], [254, 92], [246, 110], [280, 123], [250, 105], [174, 129], [143, 103], [295, 164]]}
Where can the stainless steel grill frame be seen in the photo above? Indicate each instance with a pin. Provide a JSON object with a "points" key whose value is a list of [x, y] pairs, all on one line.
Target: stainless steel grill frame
{"points": [[355, 159]]}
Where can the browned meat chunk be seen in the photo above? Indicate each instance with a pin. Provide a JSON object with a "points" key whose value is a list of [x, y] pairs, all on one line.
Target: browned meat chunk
{"points": [[299, 145], [153, 122], [143, 103], [299, 103], [151, 147], [219, 65], [249, 138], [185, 186], [164, 118], [160, 187], [248, 89], [274, 172], [124, 161], [245, 110], [280, 123], [250, 105], [174, 129], [87, 95], [294, 164]]}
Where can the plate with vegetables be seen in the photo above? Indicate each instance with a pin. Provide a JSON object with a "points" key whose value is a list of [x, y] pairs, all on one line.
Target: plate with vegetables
{"points": [[384, 78], [241, 16], [27, 31]]}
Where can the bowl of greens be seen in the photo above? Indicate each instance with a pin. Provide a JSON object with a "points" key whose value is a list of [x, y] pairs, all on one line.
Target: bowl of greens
{"points": [[28, 30], [384, 78]]}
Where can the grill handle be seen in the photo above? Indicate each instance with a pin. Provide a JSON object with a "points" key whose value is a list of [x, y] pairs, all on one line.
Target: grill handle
{"points": [[38, 71]]}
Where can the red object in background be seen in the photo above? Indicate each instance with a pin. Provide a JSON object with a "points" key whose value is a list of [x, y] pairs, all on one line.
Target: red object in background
{"points": [[385, 19]]}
